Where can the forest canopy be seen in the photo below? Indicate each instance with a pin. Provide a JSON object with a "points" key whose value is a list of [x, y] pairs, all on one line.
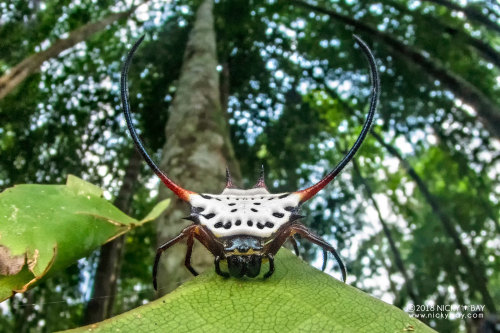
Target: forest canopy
{"points": [[415, 216]]}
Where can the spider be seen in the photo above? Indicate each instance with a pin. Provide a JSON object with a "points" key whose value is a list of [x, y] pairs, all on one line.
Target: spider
{"points": [[247, 227]]}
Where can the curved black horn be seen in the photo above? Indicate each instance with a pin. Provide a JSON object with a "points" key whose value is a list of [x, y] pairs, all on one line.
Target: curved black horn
{"points": [[309, 192], [179, 191]]}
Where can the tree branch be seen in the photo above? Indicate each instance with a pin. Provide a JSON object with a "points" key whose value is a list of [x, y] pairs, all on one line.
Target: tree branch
{"points": [[488, 113], [479, 279], [483, 49], [477, 273], [410, 289], [471, 13], [31, 64]]}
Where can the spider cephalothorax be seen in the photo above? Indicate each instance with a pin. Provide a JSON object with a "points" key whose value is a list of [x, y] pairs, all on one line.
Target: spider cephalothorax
{"points": [[245, 227]]}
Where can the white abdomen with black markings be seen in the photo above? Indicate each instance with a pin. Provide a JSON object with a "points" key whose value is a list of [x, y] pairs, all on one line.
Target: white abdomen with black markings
{"points": [[253, 212]]}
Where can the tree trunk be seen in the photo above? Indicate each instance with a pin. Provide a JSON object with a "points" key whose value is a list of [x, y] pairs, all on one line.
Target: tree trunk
{"points": [[410, 288], [197, 148], [31, 64], [478, 277], [100, 306], [487, 112]]}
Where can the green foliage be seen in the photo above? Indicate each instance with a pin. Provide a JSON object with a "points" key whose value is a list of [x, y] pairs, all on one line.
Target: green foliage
{"points": [[296, 298], [297, 93], [46, 228]]}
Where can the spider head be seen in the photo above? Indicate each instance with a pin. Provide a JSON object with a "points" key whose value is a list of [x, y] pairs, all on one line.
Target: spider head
{"points": [[241, 265], [244, 255]]}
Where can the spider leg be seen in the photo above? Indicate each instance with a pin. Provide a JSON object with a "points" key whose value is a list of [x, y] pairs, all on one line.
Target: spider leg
{"points": [[206, 238], [297, 253], [294, 244], [271, 265], [188, 231], [288, 231], [325, 259], [306, 233], [217, 268], [187, 261]]}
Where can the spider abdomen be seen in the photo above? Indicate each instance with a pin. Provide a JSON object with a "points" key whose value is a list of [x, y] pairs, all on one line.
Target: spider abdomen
{"points": [[253, 212]]}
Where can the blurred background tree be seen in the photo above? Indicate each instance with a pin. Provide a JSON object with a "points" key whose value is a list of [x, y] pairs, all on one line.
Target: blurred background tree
{"points": [[416, 217]]}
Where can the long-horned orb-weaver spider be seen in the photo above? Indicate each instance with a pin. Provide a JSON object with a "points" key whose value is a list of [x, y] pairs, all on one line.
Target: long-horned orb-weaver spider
{"points": [[240, 226]]}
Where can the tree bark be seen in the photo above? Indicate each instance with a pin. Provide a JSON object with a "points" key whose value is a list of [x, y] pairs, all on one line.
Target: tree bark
{"points": [[410, 288], [487, 112], [471, 13], [225, 85], [31, 64], [197, 148], [477, 273], [100, 306]]}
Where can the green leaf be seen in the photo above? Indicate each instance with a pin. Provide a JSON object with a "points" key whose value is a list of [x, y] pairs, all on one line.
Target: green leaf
{"points": [[45, 228], [297, 298]]}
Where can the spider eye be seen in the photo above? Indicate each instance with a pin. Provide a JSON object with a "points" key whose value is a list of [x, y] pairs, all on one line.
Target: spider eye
{"points": [[243, 248]]}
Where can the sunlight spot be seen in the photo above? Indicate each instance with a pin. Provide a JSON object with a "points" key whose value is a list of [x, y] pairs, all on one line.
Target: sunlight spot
{"points": [[403, 145]]}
